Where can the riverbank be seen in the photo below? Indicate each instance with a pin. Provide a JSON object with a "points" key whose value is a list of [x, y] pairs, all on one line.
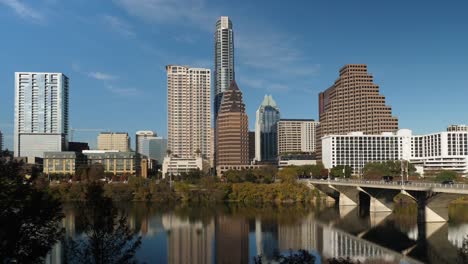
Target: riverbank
{"points": [[206, 190]]}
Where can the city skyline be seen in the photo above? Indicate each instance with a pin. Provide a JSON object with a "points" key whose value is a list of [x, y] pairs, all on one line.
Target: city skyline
{"points": [[410, 75]]}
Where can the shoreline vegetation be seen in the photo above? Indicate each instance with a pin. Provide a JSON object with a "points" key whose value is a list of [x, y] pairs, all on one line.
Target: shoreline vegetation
{"points": [[209, 190], [264, 185]]}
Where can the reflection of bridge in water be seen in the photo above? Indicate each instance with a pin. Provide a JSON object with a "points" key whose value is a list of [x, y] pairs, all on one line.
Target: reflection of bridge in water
{"points": [[330, 242], [428, 242]]}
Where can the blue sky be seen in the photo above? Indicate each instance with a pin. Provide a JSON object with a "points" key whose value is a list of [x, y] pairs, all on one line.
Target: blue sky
{"points": [[115, 52]]}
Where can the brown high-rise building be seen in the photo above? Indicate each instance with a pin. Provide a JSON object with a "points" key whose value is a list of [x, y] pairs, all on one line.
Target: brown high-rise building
{"points": [[232, 130], [353, 103]]}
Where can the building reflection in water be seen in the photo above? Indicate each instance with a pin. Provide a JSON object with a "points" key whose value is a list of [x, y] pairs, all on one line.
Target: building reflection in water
{"points": [[232, 240], [458, 234], [225, 238], [266, 239], [188, 242], [57, 254]]}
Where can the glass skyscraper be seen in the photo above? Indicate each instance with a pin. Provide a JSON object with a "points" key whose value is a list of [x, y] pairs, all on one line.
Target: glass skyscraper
{"points": [[154, 148], [224, 60], [266, 135], [41, 113]]}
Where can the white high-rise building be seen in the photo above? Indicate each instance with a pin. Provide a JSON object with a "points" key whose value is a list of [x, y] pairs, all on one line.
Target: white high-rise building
{"points": [[224, 59], [431, 152], [41, 113], [189, 111]]}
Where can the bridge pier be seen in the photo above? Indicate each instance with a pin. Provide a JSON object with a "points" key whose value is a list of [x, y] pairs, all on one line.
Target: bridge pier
{"points": [[432, 207], [348, 195], [381, 200]]}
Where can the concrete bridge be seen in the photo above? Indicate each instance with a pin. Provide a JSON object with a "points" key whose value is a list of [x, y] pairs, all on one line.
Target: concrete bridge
{"points": [[432, 198]]}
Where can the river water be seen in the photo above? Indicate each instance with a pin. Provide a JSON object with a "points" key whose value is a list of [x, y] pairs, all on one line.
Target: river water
{"points": [[237, 233]]}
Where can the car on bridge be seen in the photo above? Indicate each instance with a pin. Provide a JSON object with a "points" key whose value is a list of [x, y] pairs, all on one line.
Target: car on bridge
{"points": [[449, 182], [403, 182], [387, 178]]}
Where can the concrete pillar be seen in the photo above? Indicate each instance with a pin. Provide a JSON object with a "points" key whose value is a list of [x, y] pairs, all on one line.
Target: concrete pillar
{"points": [[381, 200], [348, 195], [344, 200], [432, 207]]}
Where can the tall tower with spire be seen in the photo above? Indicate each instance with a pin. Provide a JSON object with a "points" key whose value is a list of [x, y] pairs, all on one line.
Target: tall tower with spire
{"points": [[266, 135], [223, 60]]}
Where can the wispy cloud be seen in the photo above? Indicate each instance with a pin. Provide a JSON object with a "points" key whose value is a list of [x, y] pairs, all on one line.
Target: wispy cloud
{"points": [[274, 51], [262, 84], [272, 54], [118, 25], [24, 11], [188, 12], [102, 76], [123, 91]]}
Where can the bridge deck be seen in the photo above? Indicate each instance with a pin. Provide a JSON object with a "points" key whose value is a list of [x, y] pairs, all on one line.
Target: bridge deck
{"points": [[411, 186]]}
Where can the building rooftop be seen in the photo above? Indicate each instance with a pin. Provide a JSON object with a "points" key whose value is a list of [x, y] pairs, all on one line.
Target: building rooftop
{"points": [[296, 119]]}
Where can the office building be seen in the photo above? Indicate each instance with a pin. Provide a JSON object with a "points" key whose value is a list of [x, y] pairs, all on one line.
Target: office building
{"points": [[139, 137], [189, 111], [60, 162], [431, 152], [41, 113], [224, 60], [266, 130], [354, 103], [154, 148], [115, 162], [357, 149], [221, 169], [441, 151], [78, 146], [251, 146], [232, 131], [1, 141], [296, 136], [454, 128], [119, 141], [175, 166], [296, 160]]}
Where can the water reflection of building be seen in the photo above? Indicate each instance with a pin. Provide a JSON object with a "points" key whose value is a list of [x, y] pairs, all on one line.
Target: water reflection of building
{"points": [[232, 240], [146, 225], [188, 242], [298, 235], [458, 234], [56, 254], [266, 239]]}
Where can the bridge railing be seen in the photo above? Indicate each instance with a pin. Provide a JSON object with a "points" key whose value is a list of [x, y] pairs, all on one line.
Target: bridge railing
{"points": [[394, 183]]}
